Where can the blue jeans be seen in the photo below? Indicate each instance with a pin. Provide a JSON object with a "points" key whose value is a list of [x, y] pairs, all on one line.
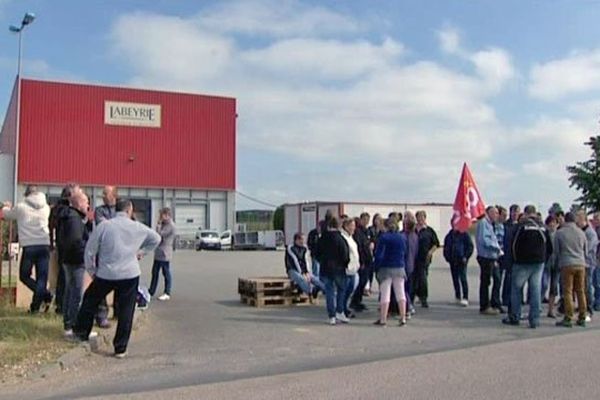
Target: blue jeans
{"points": [[532, 275], [305, 286], [73, 293], [589, 288], [351, 285], [335, 292], [38, 257], [545, 281], [165, 267], [596, 283], [316, 267]]}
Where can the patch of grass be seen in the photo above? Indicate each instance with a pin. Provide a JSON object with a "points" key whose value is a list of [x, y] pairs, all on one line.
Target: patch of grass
{"points": [[27, 341]]}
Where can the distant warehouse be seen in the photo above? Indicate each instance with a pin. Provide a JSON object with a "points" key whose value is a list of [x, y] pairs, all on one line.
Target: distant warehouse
{"points": [[160, 149], [303, 217]]}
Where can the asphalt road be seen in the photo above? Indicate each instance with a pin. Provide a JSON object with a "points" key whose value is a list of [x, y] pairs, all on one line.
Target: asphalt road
{"points": [[205, 344]]}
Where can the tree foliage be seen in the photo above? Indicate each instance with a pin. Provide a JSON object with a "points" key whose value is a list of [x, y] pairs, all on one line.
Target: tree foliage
{"points": [[278, 219], [585, 177]]}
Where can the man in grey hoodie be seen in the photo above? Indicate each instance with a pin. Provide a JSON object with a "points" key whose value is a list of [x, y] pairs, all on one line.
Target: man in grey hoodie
{"points": [[111, 258], [32, 216]]}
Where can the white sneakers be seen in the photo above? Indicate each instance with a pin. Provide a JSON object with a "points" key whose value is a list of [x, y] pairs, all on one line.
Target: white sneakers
{"points": [[342, 318], [120, 356], [339, 317], [164, 297], [588, 318], [68, 334], [462, 302]]}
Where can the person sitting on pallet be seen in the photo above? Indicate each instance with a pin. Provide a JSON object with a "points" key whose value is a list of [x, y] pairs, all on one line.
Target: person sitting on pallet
{"points": [[297, 271]]}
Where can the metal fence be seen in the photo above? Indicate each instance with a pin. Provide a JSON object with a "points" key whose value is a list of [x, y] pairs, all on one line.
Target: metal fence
{"points": [[8, 267]]}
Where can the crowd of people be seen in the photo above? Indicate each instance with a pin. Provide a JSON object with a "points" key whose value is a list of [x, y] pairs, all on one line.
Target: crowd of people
{"points": [[554, 259], [106, 244], [346, 256]]}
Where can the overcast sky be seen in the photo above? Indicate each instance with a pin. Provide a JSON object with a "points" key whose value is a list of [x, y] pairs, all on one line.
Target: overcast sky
{"points": [[353, 100]]}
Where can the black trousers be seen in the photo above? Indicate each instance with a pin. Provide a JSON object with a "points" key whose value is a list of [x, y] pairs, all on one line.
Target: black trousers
{"points": [[487, 266], [363, 278], [497, 275], [125, 294], [420, 284], [60, 286]]}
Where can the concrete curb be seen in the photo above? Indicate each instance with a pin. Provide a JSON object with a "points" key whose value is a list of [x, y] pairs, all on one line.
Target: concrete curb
{"points": [[101, 344]]}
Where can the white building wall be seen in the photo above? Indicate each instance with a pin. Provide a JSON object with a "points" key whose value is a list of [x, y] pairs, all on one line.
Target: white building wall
{"points": [[301, 217], [291, 221], [7, 177]]}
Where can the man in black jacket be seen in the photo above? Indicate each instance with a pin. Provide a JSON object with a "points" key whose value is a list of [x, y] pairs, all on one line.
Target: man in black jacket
{"points": [[60, 209], [361, 237], [296, 269], [333, 255], [75, 229], [531, 246]]}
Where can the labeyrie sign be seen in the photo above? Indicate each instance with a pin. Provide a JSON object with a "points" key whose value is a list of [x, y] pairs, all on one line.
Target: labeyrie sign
{"points": [[132, 114]]}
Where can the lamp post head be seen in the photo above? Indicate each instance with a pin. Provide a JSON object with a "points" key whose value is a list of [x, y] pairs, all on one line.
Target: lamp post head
{"points": [[14, 29], [28, 18]]}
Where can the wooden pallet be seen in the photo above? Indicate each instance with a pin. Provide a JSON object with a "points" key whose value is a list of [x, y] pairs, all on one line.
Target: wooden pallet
{"points": [[275, 301], [270, 292], [263, 284]]}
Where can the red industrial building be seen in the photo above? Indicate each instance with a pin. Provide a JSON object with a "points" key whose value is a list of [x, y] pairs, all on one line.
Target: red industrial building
{"points": [[159, 148]]}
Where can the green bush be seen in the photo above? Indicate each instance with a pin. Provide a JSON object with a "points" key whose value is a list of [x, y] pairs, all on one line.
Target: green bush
{"points": [[278, 219]]}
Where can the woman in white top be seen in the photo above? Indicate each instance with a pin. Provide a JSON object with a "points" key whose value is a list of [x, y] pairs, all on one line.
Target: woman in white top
{"points": [[348, 228]]}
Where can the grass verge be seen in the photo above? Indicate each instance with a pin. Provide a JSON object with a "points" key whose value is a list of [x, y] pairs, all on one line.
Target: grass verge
{"points": [[28, 341]]}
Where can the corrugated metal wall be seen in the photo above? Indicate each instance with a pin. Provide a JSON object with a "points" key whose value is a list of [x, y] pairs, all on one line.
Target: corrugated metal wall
{"points": [[64, 138]]}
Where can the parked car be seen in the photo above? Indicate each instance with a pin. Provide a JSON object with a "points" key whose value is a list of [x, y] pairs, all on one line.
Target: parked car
{"points": [[208, 239], [226, 239]]}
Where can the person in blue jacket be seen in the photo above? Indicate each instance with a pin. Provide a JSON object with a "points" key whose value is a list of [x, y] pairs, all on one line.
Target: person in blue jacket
{"points": [[458, 248], [489, 252], [390, 265]]}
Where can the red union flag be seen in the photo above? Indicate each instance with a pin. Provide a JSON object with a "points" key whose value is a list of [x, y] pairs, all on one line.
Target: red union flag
{"points": [[468, 205]]}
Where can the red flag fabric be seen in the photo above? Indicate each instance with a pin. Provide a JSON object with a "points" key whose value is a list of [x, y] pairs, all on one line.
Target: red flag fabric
{"points": [[468, 204]]}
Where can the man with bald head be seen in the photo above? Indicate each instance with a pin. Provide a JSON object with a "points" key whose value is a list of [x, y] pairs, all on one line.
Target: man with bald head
{"points": [[107, 210], [75, 229]]}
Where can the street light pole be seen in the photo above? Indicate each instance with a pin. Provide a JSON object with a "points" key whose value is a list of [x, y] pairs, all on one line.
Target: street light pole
{"points": [[27, 19]]}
